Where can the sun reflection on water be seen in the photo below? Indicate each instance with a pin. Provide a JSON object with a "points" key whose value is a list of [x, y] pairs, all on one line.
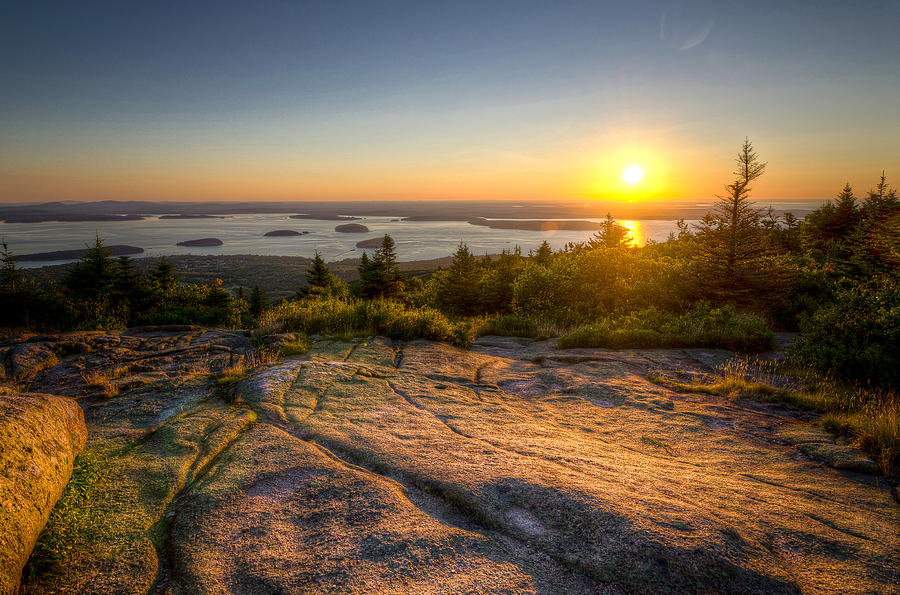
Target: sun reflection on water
{"points": [[636, 231]]}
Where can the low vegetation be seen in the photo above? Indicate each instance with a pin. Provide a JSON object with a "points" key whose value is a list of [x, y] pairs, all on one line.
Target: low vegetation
{"points": [[356, 317], [702, 326], [73, 519], [869, 417]]}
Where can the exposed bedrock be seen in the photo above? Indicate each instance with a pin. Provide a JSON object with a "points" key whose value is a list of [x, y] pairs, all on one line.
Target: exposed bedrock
{"points": [[39, 438], [379, 466]]}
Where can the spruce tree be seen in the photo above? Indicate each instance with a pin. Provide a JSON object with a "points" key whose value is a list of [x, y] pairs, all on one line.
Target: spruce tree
{"points": [[163, 277], [91, 279], [459, 287], [611, 235], [368, 278], [257, 301], [730, 238], [379, 276], [544, 253], [320, 280], [10, 274]]}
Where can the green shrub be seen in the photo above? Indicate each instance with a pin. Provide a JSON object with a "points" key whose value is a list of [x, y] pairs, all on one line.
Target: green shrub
{"points": [[332, 316], [516, 325], [857, 338], [703, 326]]}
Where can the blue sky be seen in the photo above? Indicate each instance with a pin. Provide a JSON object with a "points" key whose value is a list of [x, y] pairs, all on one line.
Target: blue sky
{"points": [[244, 100]]}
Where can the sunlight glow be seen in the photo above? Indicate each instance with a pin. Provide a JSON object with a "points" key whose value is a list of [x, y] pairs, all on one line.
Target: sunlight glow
{"points": [[635, 231], [633, 174]]}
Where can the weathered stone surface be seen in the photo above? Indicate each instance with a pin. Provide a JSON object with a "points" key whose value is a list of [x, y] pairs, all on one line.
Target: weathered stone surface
{"points": [[376, 466], [27, 359], [39, 438]]}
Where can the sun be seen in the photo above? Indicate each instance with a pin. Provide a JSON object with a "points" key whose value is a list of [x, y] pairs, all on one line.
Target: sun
{"points": [[633, 174]]}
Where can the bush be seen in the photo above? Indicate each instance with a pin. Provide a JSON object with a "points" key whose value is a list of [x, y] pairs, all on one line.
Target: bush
{"points": [[703, 326], [856, 338], [515, 325], [332, 316]]}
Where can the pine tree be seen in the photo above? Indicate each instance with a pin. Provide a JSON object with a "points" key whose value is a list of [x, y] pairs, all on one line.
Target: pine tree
{"points": [[730, 237], [876, 240], [368, 278], [10, 274], [497, 284], [320, 280], [257, 301], [379, 276], [125, 279], [611, 235], [544, 253], [459, 288], [163, 277], [92, 278]]}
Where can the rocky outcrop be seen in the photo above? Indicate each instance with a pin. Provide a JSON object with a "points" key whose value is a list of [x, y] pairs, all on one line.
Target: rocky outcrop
{"points": [[351, 228], [39, 438], [24, 360], [374, 466]]}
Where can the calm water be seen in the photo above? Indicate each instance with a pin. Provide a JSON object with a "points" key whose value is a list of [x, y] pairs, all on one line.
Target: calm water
{"points": [[243, 234]]}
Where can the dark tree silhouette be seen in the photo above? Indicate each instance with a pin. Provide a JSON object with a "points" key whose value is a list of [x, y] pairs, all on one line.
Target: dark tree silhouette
{"points": [[320, 280], [257, 301], [730, 238], [460, 285], [611, 235], [379, 276]]}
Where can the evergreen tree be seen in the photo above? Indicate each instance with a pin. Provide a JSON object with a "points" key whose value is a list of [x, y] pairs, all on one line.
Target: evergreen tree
{"points": [[321, 281], [459, 288], [163, 277], [257, 301], [91, 282], [876, 240], [368, 278], [10, 274], [125, 280], [217, 296], [544, 253], [881, 200], [730, 237], [379, 276], [497, 284], [611, 235], [24, 303]]}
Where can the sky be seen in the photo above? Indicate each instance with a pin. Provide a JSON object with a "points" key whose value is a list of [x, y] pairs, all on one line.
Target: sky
{"points": [[396, 100]]}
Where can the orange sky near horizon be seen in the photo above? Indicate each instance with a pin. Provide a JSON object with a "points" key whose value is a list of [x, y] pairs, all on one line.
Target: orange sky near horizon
{"points": [[581, 173]]}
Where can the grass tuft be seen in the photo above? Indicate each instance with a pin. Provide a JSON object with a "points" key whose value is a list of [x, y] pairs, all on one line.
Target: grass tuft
{"points": [[870, 418], [517, 325], [74, 520]]}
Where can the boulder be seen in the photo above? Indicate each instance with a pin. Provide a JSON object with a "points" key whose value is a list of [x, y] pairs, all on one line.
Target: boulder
{"points": [[27, 359], [39, 438]]}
